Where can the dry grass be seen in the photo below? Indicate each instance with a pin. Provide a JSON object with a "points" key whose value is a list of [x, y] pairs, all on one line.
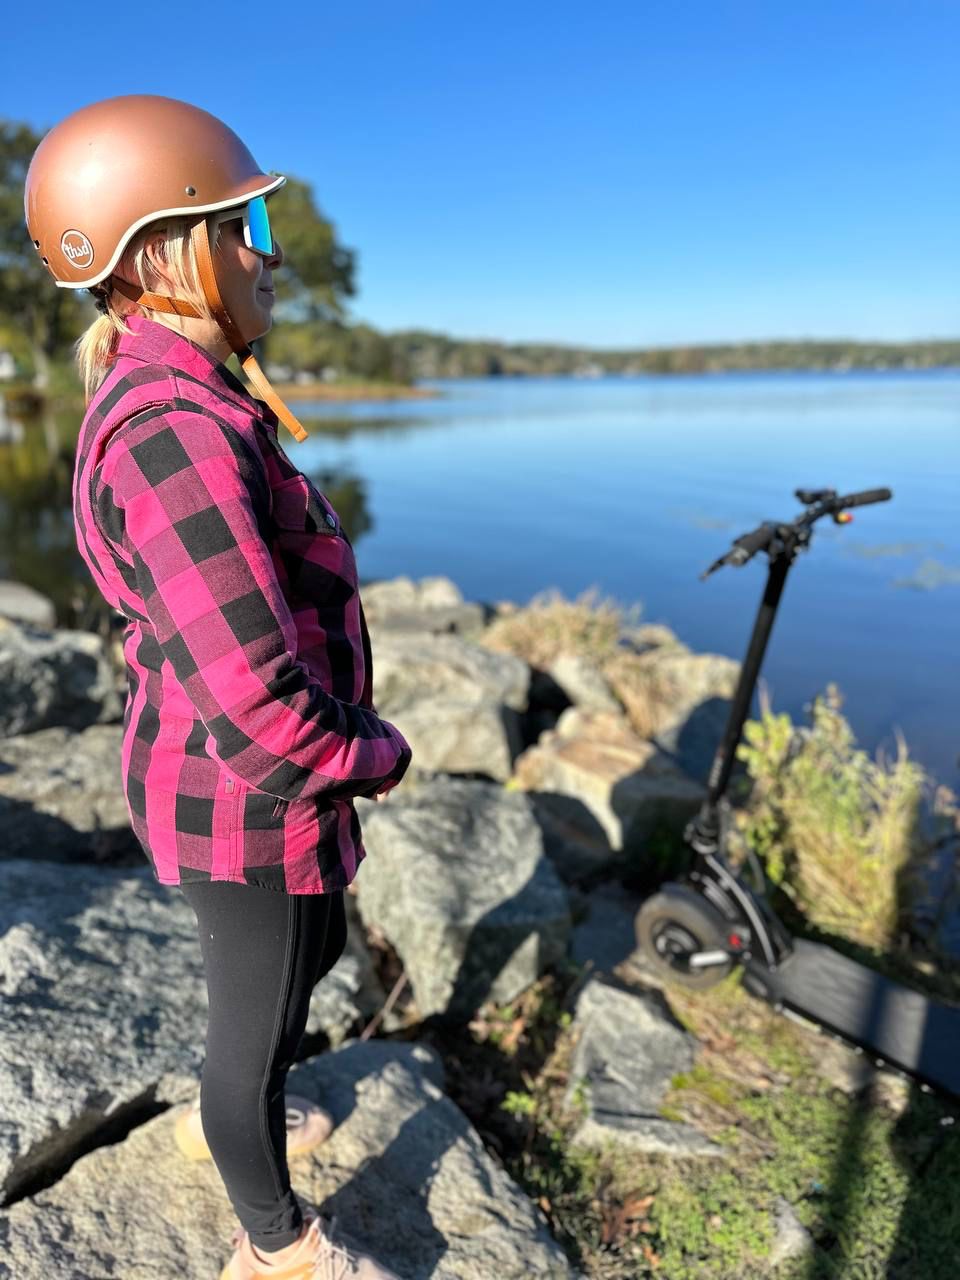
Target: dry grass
{"points": [[550, 625], [838, 831], [645, 688]]}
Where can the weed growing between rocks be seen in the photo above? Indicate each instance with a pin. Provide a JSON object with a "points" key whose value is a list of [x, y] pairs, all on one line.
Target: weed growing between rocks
{"points": [[837, 831], [843, 838], [508, 1071], [550, 625]]}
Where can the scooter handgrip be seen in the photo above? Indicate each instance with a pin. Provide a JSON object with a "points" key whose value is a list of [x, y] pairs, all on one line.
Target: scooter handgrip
{"points": [[750, 543], [864, 499]]}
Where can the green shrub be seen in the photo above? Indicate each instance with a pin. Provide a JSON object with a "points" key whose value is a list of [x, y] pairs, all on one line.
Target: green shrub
{"points": [[838, 832]]}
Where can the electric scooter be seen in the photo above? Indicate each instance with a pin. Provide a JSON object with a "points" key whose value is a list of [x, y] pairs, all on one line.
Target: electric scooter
{"points": [[694, 930]]}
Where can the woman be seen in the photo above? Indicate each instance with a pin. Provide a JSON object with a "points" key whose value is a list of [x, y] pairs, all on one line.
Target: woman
{"points": [[249, 723]]}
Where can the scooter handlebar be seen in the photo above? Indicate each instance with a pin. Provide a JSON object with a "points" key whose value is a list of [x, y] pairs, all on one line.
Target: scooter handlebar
{"points": [[865, 498], [822, 503]]}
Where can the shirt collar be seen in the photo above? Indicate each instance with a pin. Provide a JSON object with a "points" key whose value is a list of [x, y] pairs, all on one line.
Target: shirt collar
{"points": [[155, 343]]}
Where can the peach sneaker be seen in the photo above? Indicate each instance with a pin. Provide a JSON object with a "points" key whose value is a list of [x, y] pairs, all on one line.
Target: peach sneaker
{"points": [[322, 1253], [307, 1126]]}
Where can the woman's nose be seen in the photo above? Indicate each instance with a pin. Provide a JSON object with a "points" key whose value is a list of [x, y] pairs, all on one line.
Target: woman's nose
{"points": [[277, 259]]}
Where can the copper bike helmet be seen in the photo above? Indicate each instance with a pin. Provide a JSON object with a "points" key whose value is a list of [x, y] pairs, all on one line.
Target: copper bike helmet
{"points": [[115, 166]]}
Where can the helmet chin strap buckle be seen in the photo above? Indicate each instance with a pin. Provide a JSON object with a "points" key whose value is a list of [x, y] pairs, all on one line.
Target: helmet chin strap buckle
{"points": [[211, 291]]}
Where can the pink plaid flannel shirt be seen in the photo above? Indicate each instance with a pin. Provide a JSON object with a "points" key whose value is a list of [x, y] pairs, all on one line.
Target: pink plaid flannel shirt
{"points": [[249, 723]]}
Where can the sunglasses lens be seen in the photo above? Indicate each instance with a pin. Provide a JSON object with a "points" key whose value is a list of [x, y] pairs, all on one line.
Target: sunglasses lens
{"points": [[258, 225]]}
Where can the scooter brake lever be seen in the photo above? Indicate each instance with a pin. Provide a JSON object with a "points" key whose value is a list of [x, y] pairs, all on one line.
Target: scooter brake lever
{"points": [[745, 547]]}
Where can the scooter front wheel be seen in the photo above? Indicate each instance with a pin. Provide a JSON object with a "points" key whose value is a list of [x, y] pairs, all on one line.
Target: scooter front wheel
{"points": [[675, 929]]}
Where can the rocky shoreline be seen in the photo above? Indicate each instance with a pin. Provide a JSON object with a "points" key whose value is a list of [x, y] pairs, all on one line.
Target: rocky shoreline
{"points": [[492, 865]]}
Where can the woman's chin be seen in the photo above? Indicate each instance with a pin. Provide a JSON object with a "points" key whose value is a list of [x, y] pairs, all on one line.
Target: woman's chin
{"points": [[261, 328]]}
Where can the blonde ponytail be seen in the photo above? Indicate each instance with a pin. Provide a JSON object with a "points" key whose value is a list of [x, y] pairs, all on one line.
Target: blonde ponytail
{"points": [[95, 349], [97, 345]]}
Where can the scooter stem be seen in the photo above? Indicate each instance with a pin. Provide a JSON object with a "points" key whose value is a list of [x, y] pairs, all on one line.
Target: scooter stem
{"points": [[703, 831]]}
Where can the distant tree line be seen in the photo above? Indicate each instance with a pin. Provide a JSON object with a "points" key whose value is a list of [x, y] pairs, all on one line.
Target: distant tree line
{"points": [[434, 355], [313, 336]]}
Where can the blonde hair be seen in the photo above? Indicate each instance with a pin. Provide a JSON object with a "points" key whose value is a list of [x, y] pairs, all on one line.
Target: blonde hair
{"points": [[96, 346]]}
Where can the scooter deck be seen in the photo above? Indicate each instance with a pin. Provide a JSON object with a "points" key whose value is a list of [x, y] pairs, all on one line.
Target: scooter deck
{"points": [[893, 1023]]}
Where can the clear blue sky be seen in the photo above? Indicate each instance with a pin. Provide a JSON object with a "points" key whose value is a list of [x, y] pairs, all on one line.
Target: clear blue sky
{"points": [[622, 173]]}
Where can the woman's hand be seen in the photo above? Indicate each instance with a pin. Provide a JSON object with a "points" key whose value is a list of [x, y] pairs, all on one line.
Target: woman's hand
{"points": [[385, 791]]}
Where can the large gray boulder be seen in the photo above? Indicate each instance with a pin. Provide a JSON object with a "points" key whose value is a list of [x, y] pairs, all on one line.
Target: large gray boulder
{"points": [[61, 797], [457, 703], [575, 842], [457, 881], [678, 699], [54, 678], [103, 1007], [607, 786], [404, 1172], [605, 933], [433, 604], [628, 1048], [582, 682], [24, 604]]}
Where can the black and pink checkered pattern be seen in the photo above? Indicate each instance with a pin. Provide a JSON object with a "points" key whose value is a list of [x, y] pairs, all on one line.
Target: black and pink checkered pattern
{"points": [[249, 723]]}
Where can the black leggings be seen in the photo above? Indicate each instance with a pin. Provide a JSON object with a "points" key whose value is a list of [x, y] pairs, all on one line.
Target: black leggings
{"points": [[263, 952]]}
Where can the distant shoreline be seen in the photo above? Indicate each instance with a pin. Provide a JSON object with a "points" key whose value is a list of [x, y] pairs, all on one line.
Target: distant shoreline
{"points": [[429, 355], [352, 391], [671, 374], [331, 391]]}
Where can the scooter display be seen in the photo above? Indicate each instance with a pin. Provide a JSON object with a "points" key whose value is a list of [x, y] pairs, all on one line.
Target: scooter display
{"points": [[696, 929]]}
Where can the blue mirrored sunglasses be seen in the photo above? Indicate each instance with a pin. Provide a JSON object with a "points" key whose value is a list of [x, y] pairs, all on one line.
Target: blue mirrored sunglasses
{"points": [[257, 234]]}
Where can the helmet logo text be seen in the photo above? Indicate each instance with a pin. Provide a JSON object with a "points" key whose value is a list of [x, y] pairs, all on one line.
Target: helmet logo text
{"points": [[76, 248]]}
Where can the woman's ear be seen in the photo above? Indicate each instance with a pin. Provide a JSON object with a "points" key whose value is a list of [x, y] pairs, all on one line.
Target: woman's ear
{"points": [[155, 261]]}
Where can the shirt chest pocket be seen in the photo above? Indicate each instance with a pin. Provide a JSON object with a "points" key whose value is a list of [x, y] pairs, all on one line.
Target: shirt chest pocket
{"points": [[315, 552], [299, 507]]}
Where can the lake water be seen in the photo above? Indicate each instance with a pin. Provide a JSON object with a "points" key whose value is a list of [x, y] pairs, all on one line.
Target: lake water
{"points": [[634, 486]]}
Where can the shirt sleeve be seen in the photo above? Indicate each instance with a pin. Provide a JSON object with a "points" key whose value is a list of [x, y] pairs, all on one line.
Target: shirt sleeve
{"points": [[193, 499]]}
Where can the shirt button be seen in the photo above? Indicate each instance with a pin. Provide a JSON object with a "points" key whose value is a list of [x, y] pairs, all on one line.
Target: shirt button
{"points": [[330, 520]]}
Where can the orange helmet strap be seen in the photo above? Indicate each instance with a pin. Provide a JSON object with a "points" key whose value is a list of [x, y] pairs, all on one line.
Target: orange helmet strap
{"points": [[248, 361], [211, 291], [155, 301]]}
